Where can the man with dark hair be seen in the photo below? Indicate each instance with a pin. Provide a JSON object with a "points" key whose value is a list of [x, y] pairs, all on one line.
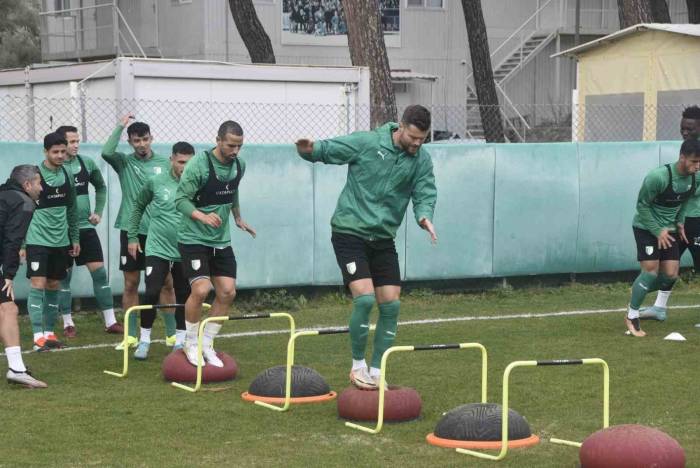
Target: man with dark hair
{"points": [[52, 232], [17, 201], [84, 171], [657, 227], [162, 256], [689, 222], [134, 170], [208, 191], [387, 167]]}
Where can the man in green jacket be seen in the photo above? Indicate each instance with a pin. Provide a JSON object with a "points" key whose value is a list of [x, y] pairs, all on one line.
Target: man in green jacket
{"points": [[690, 130], [162, 256], [207, 193], [134, 170], [84, 171], [657, 230], [52, 238], [387, 167]]}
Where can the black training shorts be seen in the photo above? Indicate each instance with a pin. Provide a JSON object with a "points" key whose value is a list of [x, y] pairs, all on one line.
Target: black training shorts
{"points": [[201, 261], [126, 261], [49, 262], [647, 247], [360, 259]]}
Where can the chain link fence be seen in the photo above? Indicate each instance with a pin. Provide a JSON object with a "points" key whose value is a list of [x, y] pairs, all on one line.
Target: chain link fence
{"points": [[29, 119]]}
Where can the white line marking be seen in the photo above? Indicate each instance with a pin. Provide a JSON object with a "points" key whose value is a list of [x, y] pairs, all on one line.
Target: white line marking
{"points": [[407, 322]]}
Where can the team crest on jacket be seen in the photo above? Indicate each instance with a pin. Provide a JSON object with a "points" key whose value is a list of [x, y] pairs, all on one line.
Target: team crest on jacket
{"points": [[196, 264], [351, 267]]}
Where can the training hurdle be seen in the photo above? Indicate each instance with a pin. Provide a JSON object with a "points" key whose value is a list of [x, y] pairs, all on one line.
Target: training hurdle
{"points": [[288, 400], [224, 318], [504, 414], [432, 347], [125, 345]]}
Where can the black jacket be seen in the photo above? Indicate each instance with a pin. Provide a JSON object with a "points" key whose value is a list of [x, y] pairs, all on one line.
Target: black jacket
{"points": [[16, 209]]}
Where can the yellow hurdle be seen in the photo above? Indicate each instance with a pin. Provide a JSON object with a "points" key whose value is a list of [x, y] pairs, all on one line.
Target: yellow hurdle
{"points": [[433, 347], [504, 414], [127, 314], [223, 318]]}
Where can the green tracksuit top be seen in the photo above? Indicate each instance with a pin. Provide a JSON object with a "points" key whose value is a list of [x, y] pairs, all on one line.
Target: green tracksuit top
{"points": [[55, 220], [133, 172], [382, 178], [159, 193], [660, 205], [84, 174], [201, 190]]}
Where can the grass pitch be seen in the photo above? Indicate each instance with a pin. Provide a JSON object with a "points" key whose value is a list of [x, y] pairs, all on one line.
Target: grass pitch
{"points": [[87, 418]]}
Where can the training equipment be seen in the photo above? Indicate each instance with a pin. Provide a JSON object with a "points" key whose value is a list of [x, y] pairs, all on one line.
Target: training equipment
{"points": [[382, 392], [631, 445], [307, 386], [130, 340], [200, 336], [675, 336], [176, 368], [478, 426], [504, 445], [399, 404]]}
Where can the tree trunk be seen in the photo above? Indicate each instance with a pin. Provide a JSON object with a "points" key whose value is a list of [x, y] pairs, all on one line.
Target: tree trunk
{"points": [[483, 72], [693, 11], [633, 12], [367, 49], [252, 32], [659, 11]]}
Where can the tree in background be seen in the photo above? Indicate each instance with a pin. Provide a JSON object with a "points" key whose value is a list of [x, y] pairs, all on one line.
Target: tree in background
{"points": [[483, 71], [693, 11], [367, 49], [19, 33], [251, 31], [633, 12]]}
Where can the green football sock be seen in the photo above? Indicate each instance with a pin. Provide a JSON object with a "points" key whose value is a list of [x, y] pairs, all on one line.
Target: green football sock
{"points": [[169, 319], [133, 324], [35, 305], [645, 283], [64, 295], [385, 334], [102, 289], [50, 309], [359, 324]]}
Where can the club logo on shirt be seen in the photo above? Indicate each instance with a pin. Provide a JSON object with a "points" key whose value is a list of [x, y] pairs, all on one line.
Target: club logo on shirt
{"points": [[196, 264], [351, 268], [35, 266], [157, 170], [149, 270], [382, 155], [649, 249], [166, 194]]}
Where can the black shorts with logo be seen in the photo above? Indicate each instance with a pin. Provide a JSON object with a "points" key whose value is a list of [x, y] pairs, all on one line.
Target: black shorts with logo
{"points": [[49, 262], [360, 259], [3, 295], [201, 261], [157, 270], [126, 261], [647, 246], [90, 247]]}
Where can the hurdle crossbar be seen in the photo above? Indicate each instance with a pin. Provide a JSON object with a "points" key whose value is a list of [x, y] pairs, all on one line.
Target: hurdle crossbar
{"points": [[556, 362], [432, 347]]}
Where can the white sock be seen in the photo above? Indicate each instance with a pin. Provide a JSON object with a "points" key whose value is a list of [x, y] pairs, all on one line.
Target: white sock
{"points": [[374, 372], [191, 334], [109, 317], [211, 329], [38, 335], [180, 337], [145, 335], [14, 359], [67, 320], [662, 299], [359, 364], [632, 313]]}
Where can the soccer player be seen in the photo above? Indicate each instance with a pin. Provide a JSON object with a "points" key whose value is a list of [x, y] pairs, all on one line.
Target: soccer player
{"points": [[387, 167], [52, 231], [134, 170], [84, 171], [689, 228], [162, 256], [17, 202], [208, 191], [656, 227]]}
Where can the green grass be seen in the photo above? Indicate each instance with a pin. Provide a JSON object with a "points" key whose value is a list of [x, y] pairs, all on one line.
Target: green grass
{"points": [[88, 418]]}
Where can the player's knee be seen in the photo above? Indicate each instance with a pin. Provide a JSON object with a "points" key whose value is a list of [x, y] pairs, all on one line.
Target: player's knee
{"points": [[227, 294], [200, 290]]}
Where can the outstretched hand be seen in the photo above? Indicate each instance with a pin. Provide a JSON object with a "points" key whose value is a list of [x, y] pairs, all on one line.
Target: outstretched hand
{"points": [[428, 226], [304, 145], [125, 120]]}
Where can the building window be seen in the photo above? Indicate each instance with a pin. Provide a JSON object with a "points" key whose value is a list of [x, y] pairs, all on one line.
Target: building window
{"points": [[400, 87], [430, 4], [181, 2]]}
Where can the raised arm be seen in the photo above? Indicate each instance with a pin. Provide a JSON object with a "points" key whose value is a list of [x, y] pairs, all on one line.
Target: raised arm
{"points": [[340, 150]]}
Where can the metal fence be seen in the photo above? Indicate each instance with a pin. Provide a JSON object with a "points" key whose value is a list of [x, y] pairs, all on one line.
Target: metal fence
{"points": [[29, 119]]}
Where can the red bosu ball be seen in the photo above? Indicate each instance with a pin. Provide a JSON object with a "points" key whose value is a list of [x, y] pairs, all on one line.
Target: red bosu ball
{"points": [[400, 404], [176, 368]]}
